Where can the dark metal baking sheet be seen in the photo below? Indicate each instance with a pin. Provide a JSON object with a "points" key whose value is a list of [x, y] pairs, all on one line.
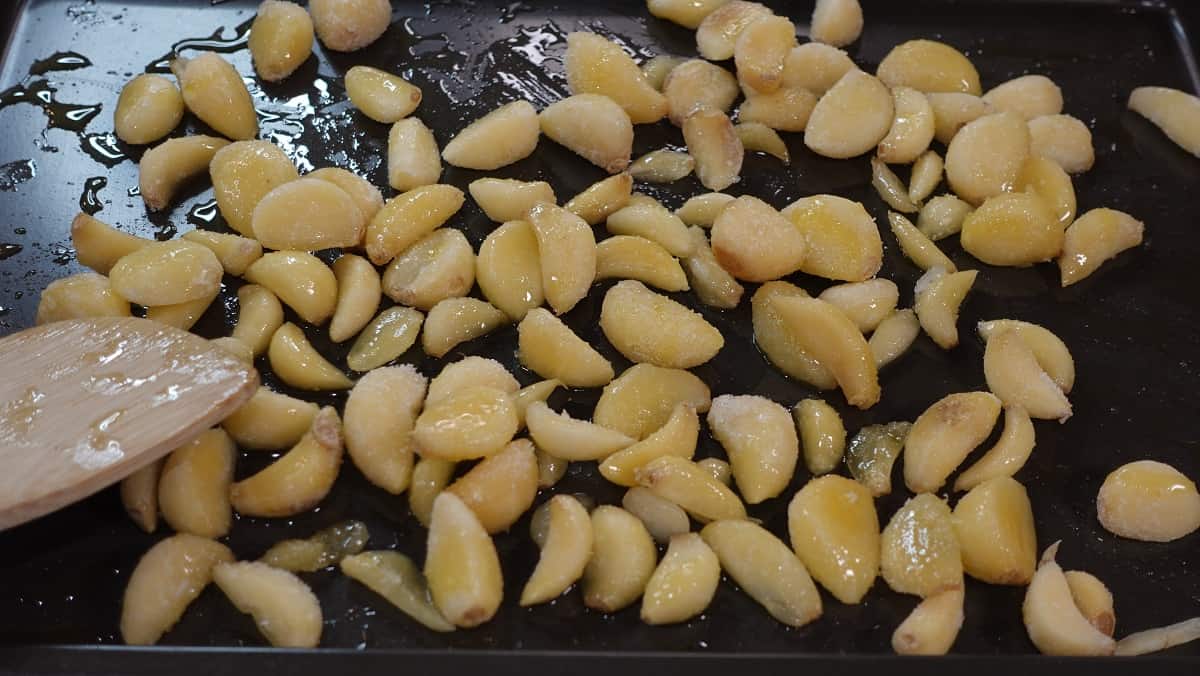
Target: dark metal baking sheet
{"points": [[1134, 327]]}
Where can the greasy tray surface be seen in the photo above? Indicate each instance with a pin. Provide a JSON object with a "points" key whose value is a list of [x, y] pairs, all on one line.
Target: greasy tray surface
{"points": [[1134, 327]]}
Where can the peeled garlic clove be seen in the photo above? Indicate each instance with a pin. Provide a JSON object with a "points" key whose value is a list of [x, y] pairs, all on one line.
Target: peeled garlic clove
{"points": [[593, 127], [912, 127], [929, 66], [1095, 237], [696, 84], [631, 257], [1009, 454], [894, 335], [662, 166], [822, 434], [657, 68], [645, 398], [285, 609], [148, 109], [926, 175], [166, 167], [408, 217], [501, 487], [308, 214], [942, 217], [396, 578], [461, 564], [815, 66], [214, 92], [843, 239], [826, 333], [648, 327], [835, 531], [602, 198], [1149, 501], [1064, 139], [917, 246], [872, 453], [717, 34], [943, 436], [473, 422], [300, 479], [505, 135], [567, 255], [168, 577], [777, 341], [920, 548], [1015, 229], [564, 437], [167, 273], [691, 487], [994, 524], [412, 156], [714, 285], [890, 188], [649, 219], [439, 266], [684, 582], [663, 519], [686, 13], [677, 437], [430, 476], [1013, 373], [508, 269], [760, 50], [235, 252], [1175, 112], [714, 144], [622, 561], [1029, 96], [565, 553], [1094, 600], [1054, 623], [938, 299], [595, 65], [836, 22], [1046, 179], [1051, 353], [952, 111], [760, 439], [760, 138], [851, 118], [380, 95], [390, 334], [281, 39], [930, 629], [350, 25], [549, 348], [754, 242], [242, 173], [380, 413], [865, 303], [985, 157], [300, 365], [766, 569]]}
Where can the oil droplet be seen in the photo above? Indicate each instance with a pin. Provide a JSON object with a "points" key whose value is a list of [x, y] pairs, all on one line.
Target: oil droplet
{"points": [[90, 202], [15, 173], [216, 42], [59, 61], [59, 115], [9, 250], [103, 147], [203, 214]]}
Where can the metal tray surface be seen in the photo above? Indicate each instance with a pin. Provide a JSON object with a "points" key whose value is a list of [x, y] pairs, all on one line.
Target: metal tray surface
{"points": [[1134, 327]]}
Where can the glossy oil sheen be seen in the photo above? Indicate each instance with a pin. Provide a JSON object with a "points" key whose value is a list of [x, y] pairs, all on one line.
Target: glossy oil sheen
{"points": [[64, 575]]}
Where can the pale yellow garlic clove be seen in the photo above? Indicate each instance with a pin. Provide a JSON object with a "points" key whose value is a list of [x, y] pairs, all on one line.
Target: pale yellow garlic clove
{"points": [[602, 198], [148, 109], [686, 13], [1150, 501], [836, 22], [430, 477], [213, 91], [461, 564], [684, 582], [944, 434], [380, 95], [622, 561], [920, 548], [565, 437], [779, 343], [760, 440], [717, 34], [507, 199], [1095, 237], [281, 39], [653, 221], [592, 126], [822, 330], [166, 579], [439, 266], [644, 398], [1009, 454], [1171, 110], [471, 372], [1014, 374], [835, 531], [894, 335], [696, 84], [566, 253], [270, 421], [350, 25], [677, 437], [408, 217], [931, 627], [396, 578], [917, 246], [952, 111], [167, 273], [843, 239], [508, 269], [300, 365], [912, 127], [760, 51], [565, 553], [242, 173], [413, 159], [714, 144], [596, 65], [994, 525], [168, 166], [938, 299], [633, 257], [663, 519], [942, 217], [549, 348], [1029, 96], [300, 479], [851, 118], [379, 417], [99, 245], [193, 491], [766, 569], [1054, 623], [926, 175], [501, 487], [474, 422], [1064, 139], [358, 291], [985, 157], [929, 66], [648, 327], [505, 135]]}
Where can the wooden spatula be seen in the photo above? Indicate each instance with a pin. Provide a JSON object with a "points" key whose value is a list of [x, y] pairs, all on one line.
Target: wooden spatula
{"points": [[84, 403]]}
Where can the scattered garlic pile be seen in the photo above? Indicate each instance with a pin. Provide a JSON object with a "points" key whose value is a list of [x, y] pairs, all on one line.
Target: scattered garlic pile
{"points": [[1008, 160]]}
